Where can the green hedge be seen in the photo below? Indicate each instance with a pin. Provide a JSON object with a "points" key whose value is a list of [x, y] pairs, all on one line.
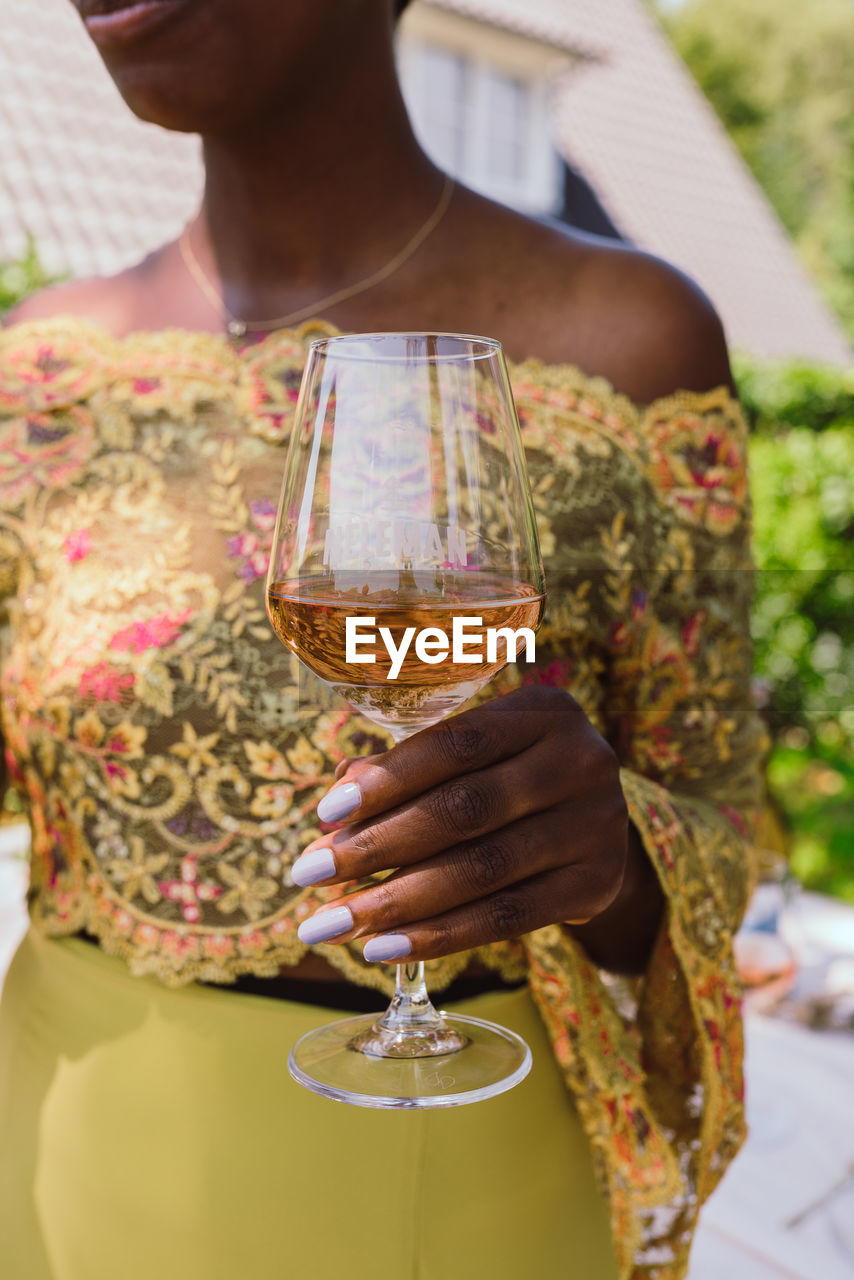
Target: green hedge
{"points": [[795, 393], [802, 460]]}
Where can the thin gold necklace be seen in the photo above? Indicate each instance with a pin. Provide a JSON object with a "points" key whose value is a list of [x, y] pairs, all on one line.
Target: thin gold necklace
{"points": [[236, 327]]}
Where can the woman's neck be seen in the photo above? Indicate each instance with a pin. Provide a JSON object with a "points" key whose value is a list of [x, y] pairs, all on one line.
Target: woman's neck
{"points": [[317, 193]]}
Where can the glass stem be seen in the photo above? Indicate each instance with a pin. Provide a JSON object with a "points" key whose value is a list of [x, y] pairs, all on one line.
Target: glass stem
{"points": [[410, 1027], [411, 1005]]}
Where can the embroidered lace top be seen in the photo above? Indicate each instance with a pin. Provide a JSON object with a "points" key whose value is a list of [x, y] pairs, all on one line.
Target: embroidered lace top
{"points": [[170, 769]]}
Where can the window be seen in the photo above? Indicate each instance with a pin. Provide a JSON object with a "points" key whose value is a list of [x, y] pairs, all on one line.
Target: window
{"points": [[445, 78], [487, 126], [508, 127]]}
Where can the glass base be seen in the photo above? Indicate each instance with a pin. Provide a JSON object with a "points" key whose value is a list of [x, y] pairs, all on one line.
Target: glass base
{"points": [[491, 1061]]}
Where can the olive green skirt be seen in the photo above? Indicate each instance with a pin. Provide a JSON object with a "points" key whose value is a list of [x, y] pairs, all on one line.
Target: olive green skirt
{"points": [[154, 1134]]}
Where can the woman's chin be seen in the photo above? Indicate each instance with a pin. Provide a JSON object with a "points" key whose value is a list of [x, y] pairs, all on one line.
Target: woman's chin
{"points": [[161, 96], [176, 63]]}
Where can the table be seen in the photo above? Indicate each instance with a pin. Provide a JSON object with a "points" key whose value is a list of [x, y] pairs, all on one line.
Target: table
{"points": [[803, 1083]]}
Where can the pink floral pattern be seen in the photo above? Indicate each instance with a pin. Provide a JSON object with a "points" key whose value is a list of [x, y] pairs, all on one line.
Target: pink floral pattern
{"points": [[103, 683], [156, 633], [253, 548], [77, 545]]}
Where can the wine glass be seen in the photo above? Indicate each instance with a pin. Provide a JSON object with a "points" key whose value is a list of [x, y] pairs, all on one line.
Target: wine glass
{"points": [[406, 512]]}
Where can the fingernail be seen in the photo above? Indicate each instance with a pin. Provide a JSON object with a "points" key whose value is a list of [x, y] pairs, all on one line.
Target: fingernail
{"points": [[313, 867], [325, 925], [391, 946], [339, 803]]}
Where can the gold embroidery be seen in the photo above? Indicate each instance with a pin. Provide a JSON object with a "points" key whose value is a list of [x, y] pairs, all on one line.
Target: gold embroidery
{"points": [[171, 755]]}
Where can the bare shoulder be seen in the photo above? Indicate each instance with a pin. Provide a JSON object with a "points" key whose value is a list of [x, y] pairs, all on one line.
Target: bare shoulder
{"points": [[611, 309], [654, 326], [106, 301]]}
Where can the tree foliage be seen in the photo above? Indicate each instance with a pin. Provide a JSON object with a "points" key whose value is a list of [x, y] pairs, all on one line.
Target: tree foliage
{"points": [[802, 464], [23, 276], [780, 74]]}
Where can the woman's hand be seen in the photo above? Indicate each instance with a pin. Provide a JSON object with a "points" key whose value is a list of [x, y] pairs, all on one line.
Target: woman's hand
{"points": [[496, 822]]}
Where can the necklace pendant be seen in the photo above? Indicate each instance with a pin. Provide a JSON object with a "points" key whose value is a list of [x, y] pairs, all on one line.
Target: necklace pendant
{"points": [[236, 328]]}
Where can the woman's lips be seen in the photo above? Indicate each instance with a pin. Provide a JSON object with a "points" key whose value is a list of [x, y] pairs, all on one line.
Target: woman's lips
{"points": [[114, 21]]}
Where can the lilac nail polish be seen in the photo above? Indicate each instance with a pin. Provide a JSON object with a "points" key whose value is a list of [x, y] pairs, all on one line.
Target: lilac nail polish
{"points": [[325, 925], [390, 946], [312, 867], [339, 803]]}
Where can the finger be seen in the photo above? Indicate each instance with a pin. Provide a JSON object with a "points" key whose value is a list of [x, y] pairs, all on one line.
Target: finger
{"points": [[461, 874], [477, 872], [465, 743], [465, 807], [568, 893], [343, 765]]}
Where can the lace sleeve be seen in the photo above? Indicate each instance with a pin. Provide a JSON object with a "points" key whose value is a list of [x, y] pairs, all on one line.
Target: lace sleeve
{"points": [[45, 440], [656, 1066]]}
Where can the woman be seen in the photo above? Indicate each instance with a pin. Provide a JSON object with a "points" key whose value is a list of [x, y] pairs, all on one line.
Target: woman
{"points": [[172, 776]]}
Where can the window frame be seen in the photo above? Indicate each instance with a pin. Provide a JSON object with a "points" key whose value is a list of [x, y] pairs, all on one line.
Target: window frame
{"points": [[540, 190]]}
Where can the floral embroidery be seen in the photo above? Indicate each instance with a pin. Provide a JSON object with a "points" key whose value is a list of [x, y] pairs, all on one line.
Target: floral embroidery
{"points": [[136, 874], [254, 548], [189, 891], [171, 755], [157, 633], [105, 684], [145, 386], [265, 760], [77, 545], [42, 449], [272, 801], [198, 752], [699, 465], [247, 890]]}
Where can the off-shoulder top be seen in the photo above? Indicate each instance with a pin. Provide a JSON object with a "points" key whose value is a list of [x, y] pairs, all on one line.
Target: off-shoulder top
{"points": [[170, 753]]}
